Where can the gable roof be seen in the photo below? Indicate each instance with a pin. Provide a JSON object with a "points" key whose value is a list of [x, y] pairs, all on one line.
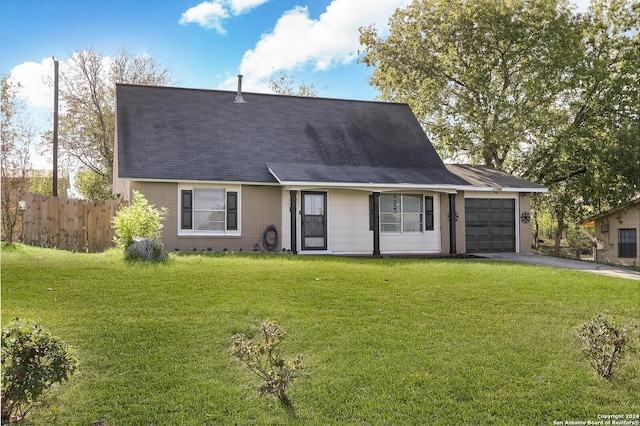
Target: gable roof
{"points": [[616, 210], [166, 133], [492, 179]]}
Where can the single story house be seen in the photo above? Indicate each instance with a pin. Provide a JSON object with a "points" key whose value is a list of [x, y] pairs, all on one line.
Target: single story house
{"points": [[616, 234], [327, 176]]}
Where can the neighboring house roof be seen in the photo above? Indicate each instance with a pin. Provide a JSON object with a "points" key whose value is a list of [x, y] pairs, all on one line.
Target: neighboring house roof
{"points": [[489, 178], [168, 133], [616, 210]]}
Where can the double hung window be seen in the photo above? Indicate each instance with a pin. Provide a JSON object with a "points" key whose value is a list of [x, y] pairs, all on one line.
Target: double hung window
{"points": [[208, 210], [405, 213]]}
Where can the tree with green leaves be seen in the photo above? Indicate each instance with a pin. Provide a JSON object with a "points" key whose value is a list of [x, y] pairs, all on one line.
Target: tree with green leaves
{"points": [[17, 136], [41, 182], [285, 85], [525, 86], [93, 186], [87, 91], [481, 75], [591, 162]]}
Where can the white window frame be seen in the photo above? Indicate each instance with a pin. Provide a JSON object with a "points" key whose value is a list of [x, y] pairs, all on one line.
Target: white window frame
{"points": [[210, 233], [402, 214]]}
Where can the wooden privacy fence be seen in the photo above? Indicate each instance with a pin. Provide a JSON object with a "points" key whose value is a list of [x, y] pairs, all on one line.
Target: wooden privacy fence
{"points": [[68, 224]]}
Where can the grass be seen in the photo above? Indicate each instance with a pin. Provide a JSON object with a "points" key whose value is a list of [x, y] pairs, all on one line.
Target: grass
{"points": [[395, 341]]}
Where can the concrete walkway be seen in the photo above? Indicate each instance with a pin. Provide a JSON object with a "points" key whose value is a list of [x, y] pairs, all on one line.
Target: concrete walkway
{"points": [[556, 262]]}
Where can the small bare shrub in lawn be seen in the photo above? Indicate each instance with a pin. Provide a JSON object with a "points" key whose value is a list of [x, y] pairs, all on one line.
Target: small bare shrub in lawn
{"points": [[32, 361], [261, 355], [603, 343]]}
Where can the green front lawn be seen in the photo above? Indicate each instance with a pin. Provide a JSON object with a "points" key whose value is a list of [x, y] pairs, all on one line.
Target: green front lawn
{"points": [[395, 341]]}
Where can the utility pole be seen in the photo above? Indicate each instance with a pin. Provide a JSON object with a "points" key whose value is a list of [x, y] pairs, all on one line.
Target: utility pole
{"points": [[55, 128]]}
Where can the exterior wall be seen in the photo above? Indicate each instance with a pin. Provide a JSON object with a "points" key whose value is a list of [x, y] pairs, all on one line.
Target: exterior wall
{"points": [[348, 222], [161, 194], [445, 238], [260, 207], [524, 227], [608, 241], [121, 188], [285, 219], [348, 226]]}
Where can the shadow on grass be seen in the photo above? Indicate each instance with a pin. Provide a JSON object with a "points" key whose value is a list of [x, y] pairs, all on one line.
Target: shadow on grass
{"points": [[10, 247]]}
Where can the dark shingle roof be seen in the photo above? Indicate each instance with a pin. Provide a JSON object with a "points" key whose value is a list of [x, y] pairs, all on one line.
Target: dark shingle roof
{"points": [[187, 134], [489, 177]]}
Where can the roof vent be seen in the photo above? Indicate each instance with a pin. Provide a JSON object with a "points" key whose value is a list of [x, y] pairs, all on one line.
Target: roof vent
{"points": [[239, 98]]}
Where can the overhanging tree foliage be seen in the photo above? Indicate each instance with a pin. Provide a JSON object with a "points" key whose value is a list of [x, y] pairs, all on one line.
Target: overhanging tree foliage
{"points": [[93, 186], [87, 93], [592, 161], [16, 135], [481, 75], [525, 86], [285, 85]]}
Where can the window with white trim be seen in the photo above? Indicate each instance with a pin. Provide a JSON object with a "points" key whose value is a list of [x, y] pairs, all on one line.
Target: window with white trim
{"points": [[401, 213], [208, 210]]}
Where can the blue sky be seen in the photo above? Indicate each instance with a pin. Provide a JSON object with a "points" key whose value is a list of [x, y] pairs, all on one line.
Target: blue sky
{"points": [[205, 44]]}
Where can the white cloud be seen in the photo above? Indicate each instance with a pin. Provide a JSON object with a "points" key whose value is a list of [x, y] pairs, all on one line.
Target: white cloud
{"points": [[34, 80], [298, 41], [210, 14], [242, 6]]}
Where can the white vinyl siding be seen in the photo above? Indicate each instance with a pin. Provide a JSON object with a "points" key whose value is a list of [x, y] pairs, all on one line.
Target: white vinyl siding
{"points": [[348, 226]]}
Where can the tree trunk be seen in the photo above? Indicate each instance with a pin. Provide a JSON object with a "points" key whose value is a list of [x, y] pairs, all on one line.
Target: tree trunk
{"points": [[559, 231]]}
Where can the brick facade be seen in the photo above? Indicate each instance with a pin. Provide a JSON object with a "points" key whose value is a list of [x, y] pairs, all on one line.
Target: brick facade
{"points": [[261, 207]]}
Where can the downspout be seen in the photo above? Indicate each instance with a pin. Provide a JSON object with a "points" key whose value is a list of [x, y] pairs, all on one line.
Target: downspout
{"points": [[452, 224]]}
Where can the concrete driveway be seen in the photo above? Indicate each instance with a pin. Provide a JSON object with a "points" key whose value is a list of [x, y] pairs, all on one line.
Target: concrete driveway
{"points": [[556, 262]]}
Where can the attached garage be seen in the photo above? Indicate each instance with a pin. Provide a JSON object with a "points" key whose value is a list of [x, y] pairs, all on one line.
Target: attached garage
{"points": [[490, 225]]}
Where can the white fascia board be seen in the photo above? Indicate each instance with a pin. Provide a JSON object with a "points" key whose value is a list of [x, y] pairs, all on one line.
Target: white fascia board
{"points": [[203, 182], [364, 186], [501, 189], [373, 186]]}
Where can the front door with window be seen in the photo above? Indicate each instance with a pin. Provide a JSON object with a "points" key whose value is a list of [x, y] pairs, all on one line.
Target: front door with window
{"points": [[314, 221]]}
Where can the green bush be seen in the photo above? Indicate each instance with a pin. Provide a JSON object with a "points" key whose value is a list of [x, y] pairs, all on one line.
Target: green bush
{"points": [[603, 343], [139, 219], [32, 361], [261, 355]]}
